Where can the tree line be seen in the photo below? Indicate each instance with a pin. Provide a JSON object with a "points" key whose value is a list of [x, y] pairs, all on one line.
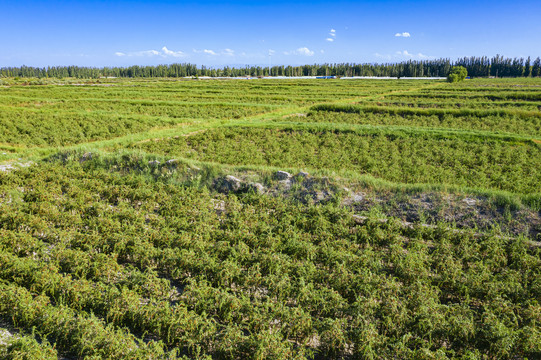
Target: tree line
{"points": [[497, 66]]}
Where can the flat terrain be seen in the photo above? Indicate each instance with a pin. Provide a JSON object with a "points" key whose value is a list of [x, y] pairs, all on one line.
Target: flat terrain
{"points": [[229, 219]]}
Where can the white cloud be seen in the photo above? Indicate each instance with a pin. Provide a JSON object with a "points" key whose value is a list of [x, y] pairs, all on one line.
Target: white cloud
{"points": [[271, 52], [224, 52], [304, 51], [406, 54], [404, 34], [332, 35], [146, 53], [165, 52], [402, 55]]}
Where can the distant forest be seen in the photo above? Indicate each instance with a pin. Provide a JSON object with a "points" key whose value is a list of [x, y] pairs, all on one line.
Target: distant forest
{"points": [[497, 66]]}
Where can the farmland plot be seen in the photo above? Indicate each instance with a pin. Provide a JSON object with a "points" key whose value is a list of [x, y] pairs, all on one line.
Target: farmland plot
{"points": [[160, 219]]}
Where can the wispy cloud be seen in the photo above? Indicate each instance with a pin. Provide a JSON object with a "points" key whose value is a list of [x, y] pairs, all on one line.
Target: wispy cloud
{"points": [[332, 35], [409, 55], [404, 34], [402, 55], [304, 51], [271, 52], [380, 56], [146, 53], [224, 52], [164, 52]]}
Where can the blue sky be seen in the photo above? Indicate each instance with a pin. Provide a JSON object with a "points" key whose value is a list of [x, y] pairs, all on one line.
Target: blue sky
{"points": [[217, 33]]}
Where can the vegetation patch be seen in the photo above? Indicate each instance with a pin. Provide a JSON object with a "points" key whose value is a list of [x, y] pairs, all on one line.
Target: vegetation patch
{"points": [[165, 218], [111, 265], [392, 156], [503, 123]]}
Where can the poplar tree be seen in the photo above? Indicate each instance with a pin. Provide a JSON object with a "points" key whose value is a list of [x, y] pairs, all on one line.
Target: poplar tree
{"points": [[527, 68], [536, 68]]}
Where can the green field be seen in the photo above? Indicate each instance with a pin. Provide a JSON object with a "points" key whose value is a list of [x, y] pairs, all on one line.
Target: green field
{"points": [[148, 219]]}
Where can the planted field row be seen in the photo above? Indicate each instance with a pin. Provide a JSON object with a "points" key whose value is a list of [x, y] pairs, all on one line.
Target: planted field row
{"points": [[427, 112], [499, 121], [117, 302], [185, 90], [494, 86], [393, 156], [78, 123], [412, 102], [39, 99], [176, 91], [79, 333], [195, 110], [67, 115], [85, 252], [16, 346], [25, 101], [39, 128], [471, 96]]}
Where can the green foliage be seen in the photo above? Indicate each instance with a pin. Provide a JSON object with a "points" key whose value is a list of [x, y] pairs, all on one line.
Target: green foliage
{"points": [[131, 255], [493, 120], [396, 156], [25, 348], [457, 73], [64, 115], [97, 261], [476, 66]]}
